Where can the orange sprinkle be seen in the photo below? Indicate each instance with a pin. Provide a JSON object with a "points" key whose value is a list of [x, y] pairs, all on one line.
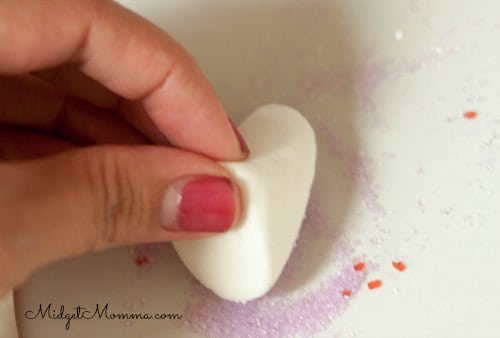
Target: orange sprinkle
{"points": [[139, 261], [359, 266], [470, 115], [374, 284], [399, 265], [346, 293]]}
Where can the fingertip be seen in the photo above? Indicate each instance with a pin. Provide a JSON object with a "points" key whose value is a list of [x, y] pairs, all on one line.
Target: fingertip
{"points": [[186, 109]]}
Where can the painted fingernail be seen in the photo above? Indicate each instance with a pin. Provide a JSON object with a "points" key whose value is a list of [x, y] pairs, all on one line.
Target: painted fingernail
{"points": [[202, 204], [241, 140]]}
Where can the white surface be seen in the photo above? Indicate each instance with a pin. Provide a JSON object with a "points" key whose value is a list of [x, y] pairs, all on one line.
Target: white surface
{"points": [[275, 182], [406, 176]]}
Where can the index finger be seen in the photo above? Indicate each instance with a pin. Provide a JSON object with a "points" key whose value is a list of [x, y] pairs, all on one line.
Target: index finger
{"points": [[129, 56]]}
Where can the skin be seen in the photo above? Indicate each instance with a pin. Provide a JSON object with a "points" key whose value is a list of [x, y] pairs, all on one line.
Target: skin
{"points": [[99, 112]]}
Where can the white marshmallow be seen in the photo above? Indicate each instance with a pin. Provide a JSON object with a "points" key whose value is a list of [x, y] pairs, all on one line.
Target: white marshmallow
{"points": [[275, 182]]}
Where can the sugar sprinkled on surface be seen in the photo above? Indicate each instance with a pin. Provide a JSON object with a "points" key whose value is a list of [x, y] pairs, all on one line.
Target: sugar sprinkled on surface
{"points": [[273, 316], [284, 311], [358, 170], [360, 80]]}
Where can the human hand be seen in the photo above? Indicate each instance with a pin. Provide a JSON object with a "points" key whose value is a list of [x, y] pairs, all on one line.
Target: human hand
{"points": [[109, 134]]}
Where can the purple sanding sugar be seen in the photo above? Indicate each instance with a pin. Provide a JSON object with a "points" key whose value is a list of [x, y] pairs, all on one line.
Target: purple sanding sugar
{"points": [[357, 169], [360, 80], [281, 313], [272, 316], [315, 220]]}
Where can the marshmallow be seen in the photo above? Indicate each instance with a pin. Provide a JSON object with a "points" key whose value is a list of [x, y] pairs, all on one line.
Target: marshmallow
{"points": [[275, 181]]}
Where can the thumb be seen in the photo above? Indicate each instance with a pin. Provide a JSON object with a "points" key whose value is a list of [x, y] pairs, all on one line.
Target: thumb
{"points": [[99, 197]]}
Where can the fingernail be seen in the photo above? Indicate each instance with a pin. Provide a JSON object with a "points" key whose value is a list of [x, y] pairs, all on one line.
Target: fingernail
{"points": [[203, 203], [241, 140]]}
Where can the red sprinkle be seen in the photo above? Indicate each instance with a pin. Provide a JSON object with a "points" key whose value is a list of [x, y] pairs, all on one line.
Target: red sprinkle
{"points": [[346, 293], [359, 266], [140, 261], [399, 265], [374, 284], [470, 115]]}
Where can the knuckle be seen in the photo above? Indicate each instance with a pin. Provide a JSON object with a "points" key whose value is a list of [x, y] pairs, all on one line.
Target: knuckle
{"points": [[115, 203]]}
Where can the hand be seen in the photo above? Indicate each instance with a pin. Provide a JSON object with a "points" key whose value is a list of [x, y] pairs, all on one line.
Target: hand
{"points": [[108, 136]]}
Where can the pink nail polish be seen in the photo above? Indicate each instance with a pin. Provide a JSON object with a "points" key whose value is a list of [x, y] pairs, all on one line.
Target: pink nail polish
{"points": [[241, 140], [204, 204]]}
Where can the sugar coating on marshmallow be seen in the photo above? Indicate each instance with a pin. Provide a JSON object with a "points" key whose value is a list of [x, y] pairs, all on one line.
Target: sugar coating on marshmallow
{"points": [[275, 181]]}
